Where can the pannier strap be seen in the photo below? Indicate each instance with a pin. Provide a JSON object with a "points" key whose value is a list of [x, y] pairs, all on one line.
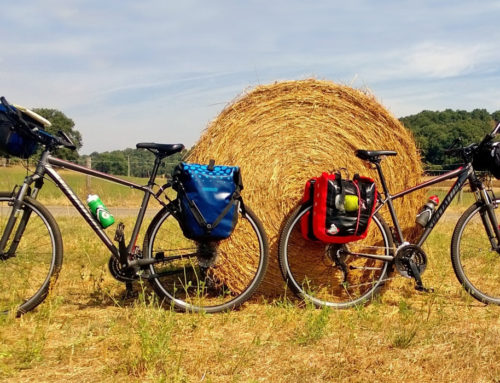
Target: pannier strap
{"points": [[235, 197], [339, 202], [199, 216]]}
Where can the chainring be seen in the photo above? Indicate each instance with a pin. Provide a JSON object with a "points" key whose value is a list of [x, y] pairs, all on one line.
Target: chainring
{"points": [[119, 273], [405, 255]]}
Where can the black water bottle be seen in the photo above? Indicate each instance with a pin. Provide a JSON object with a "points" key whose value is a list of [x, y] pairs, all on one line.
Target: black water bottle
{"points": [[425, 213]]}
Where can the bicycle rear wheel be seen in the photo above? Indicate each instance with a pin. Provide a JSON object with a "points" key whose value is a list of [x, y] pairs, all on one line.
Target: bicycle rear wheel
{"points": [[325, 274], [207, 277], [476, 264], [28, 268]]}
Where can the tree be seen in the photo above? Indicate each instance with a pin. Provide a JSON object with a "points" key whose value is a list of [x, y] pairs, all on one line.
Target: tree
{"points": [[61, 122], [436, 131]]}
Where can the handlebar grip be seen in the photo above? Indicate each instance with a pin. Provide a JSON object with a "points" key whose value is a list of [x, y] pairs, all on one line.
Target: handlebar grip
{"points": [[66, 141]]}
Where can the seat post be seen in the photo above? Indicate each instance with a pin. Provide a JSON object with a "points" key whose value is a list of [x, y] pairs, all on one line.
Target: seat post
{"points": [[145, 201], [154, 171], [388, 197], [381, 176]]}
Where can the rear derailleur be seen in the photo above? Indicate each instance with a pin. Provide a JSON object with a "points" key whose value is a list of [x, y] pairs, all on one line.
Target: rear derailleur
{"points": [[338, 255]]}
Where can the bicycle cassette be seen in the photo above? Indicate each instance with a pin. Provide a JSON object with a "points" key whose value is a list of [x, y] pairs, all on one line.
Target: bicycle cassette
{"points": [[408, 254]]}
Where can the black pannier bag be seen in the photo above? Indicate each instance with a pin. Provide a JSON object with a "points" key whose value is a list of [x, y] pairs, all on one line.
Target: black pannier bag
{"points": [[487, 158], [209, 199], [15, 139]]}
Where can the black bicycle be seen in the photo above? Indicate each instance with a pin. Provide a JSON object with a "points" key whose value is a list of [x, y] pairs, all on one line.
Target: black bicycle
{"points": [[189, 275], [349, 274]]}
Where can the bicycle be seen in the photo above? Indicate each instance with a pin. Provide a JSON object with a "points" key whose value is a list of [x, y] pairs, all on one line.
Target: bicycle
{"points": [[188, 275], [344, 275]]}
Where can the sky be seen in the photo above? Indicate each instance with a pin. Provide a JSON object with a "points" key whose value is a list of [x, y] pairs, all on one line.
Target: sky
{"points": [[160, 70]]}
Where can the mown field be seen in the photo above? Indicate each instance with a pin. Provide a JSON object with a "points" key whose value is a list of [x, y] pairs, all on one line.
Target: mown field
{"points": [[86, 331]]}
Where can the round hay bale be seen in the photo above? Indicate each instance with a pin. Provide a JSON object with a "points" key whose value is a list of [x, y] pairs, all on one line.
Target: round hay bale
{"points": [[284, 133]]}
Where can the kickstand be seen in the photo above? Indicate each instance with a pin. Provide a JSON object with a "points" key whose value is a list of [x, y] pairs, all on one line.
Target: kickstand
{"points": [[419, 286]]}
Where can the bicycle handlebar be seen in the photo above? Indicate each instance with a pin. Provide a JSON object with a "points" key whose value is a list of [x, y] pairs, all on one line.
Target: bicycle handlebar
{"points": [[467, 152], [33, 130]]}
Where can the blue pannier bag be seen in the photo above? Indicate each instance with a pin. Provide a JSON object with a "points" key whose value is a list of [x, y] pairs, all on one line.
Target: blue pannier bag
{"points": [[209, 199], [13, 140]]}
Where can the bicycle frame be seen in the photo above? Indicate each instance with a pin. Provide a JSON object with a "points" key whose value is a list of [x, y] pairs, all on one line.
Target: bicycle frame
{"points": [[462, 175], [45, 167]]}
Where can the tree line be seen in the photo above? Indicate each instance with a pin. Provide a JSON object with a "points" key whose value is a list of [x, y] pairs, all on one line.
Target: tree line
{"points": [[132, 162], [434, 132]]}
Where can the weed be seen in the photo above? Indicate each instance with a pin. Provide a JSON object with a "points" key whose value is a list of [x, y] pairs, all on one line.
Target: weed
{"points": [[316, 322], [405, 309]]}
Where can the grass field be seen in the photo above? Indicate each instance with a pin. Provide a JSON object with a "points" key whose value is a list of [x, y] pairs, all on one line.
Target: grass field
{"points": [[87, 332], [112, 194]]}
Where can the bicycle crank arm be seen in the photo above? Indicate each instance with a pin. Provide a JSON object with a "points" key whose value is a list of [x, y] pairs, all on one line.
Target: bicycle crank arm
{"points": [[419, 286]]}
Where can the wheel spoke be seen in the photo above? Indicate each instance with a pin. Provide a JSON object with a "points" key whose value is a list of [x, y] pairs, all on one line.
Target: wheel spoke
{"points": [[476, 263], [334, 275], [25, 274], [206, 277]]}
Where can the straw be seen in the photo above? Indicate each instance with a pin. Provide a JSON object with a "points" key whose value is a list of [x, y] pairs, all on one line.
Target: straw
{"points": [[284, 133]]}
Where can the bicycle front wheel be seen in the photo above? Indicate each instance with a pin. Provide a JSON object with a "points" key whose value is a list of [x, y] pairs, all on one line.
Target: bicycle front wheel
{"points": [[476, 263], [331, 274], [209, 277], [32, 258]]}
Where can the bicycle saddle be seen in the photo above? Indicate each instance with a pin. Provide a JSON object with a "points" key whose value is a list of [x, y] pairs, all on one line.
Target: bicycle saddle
{"points": [[373, 155], [166, 149]]}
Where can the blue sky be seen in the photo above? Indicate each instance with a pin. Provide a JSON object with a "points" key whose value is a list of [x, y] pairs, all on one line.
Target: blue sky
{"points": [[160, 70]]}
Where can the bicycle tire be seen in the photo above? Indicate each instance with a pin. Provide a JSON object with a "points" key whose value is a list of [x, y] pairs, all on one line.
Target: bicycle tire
{"points": [[320, 280], [27, 274], [223, 281], [476, 264]]}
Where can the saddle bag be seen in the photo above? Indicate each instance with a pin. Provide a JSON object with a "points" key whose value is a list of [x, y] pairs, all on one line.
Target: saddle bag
{"points": [[209, 198], [341, 209]]}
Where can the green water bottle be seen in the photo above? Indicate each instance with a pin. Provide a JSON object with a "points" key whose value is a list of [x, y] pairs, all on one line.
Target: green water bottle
{"points": [[99, 211]]}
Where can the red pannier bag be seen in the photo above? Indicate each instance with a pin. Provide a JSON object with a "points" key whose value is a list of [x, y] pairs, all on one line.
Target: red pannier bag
{"points": [[341, 209]]}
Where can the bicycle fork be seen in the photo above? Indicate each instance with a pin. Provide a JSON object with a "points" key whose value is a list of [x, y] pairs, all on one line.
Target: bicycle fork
{"points": [[17, 209], [489, 220]]}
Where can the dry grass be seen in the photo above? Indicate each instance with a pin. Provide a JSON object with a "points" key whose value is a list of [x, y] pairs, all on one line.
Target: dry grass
{"points": [[284, 133], [86, 332]]}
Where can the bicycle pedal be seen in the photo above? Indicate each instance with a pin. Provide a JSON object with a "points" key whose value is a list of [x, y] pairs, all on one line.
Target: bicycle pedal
{"points": [[424, 289], [120, 232]]}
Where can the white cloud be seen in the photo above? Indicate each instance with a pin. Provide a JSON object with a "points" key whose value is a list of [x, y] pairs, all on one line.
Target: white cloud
{"points": [[441, 60]]}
